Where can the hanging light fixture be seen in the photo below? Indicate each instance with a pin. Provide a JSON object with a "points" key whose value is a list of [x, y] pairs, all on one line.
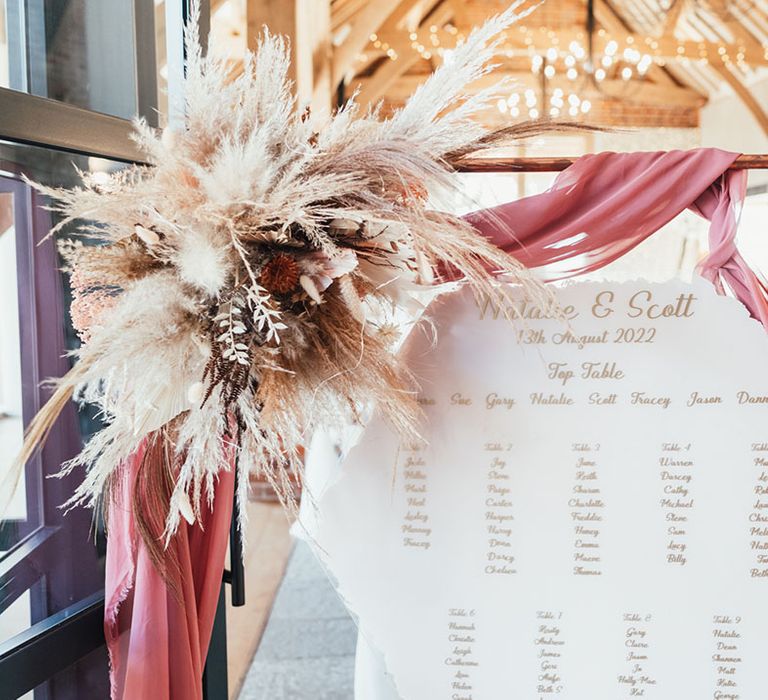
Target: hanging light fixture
{"points": [[627, 63], [586, 67]]}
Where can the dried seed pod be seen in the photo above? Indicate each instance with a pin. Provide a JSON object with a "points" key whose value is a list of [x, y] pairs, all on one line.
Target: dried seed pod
{"points": [[280, 275]]}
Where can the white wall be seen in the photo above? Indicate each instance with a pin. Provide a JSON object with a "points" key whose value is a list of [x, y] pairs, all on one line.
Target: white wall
{"points": [[727, 123]]}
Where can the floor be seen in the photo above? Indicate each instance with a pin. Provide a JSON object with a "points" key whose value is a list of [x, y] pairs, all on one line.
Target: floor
{"points": [[307, 651], [267, 553]]}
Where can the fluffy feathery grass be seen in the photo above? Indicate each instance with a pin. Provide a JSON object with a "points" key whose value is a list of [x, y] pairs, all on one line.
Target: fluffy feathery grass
{"points": [[255, 266]]}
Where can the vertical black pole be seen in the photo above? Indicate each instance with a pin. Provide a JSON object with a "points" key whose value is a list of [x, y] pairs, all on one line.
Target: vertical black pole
{"points": [[215, 676], [215, 679], [237, 575]]}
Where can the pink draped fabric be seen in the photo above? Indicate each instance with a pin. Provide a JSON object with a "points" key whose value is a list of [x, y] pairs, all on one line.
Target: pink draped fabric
{"points": [[158, 644], [605, 204]]}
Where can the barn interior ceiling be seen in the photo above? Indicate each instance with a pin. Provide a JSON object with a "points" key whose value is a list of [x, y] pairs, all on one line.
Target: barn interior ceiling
{"points": [[651, 63]]}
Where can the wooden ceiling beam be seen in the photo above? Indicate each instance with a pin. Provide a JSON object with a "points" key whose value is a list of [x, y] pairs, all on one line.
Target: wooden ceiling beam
{"points": [[402, 21], [632, 91], [674, 13], [720, 20], [407, 16], [364, 24], [460, 14], [744, 94], [752, 19], [307, 25], [344, 12], [388, 73], [610, 20], [742, 33], [687, 76], [666, 47]]}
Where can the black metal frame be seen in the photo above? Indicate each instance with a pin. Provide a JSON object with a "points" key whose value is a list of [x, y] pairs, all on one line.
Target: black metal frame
{"points": [[39, 121], [215, 676], [50, 646], [55, 643]]}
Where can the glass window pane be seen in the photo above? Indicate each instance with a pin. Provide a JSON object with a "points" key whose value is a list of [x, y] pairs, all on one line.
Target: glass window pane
{"points": [[95, 54], [22, 518], [11, 428], [16, 617]]}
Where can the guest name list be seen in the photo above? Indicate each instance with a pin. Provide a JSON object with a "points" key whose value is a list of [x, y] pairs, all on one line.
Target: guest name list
{"points": [[592, 486]]}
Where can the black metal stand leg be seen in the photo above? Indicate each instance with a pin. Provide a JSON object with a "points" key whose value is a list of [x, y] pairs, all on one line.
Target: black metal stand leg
{"points": [[215, 678], [237, 573], [215, 681]]}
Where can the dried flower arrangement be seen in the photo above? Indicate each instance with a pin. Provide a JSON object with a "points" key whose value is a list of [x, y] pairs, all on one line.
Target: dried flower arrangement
{"points": [[244, 282]]}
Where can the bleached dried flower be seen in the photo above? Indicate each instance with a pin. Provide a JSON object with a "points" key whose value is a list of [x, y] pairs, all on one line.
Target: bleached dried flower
{"points": [[247, 264]]}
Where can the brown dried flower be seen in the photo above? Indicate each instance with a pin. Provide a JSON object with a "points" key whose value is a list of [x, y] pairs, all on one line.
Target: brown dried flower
{"points": [[280, 275]]}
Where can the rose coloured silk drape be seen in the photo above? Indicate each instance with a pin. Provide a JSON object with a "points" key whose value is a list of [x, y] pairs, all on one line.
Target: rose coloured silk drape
{"points": [[607, 203], [157, 643], [597, 210]]}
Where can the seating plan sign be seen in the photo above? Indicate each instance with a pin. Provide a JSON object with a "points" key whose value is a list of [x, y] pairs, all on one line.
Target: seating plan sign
{"points": [[587, 516]]}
